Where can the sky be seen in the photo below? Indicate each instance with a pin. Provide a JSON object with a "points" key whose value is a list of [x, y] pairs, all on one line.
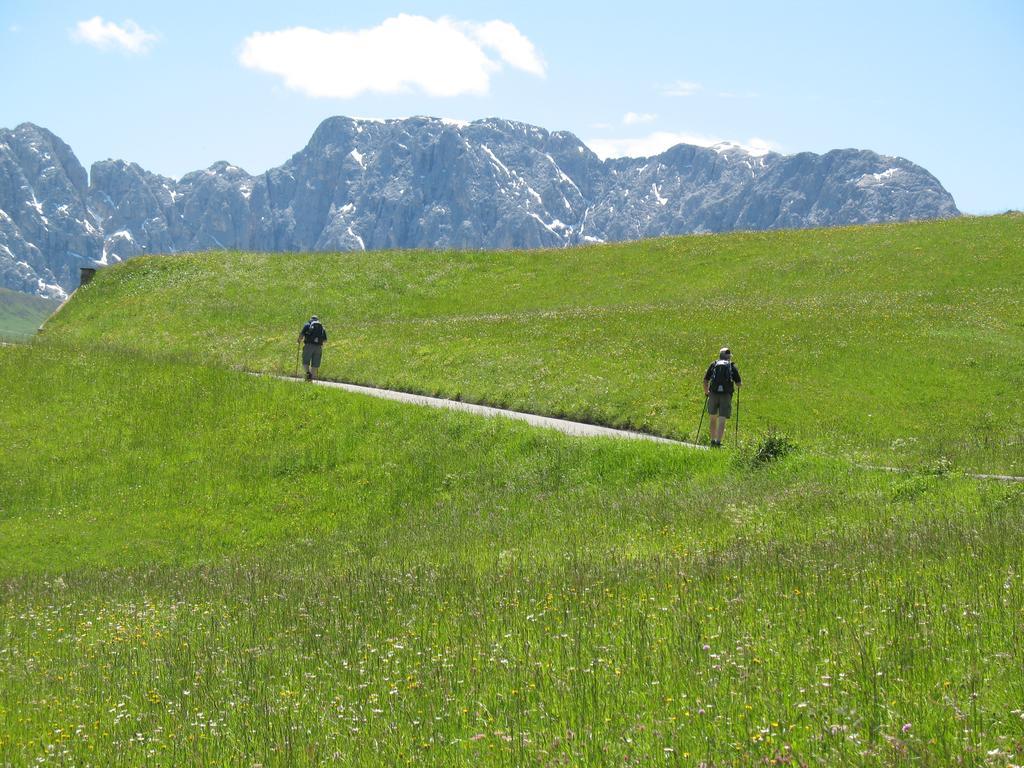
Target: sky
{"points": [[178, 86]]}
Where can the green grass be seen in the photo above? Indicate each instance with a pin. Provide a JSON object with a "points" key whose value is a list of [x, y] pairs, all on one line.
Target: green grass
{"points": [[200, 567], [897, 344], [205, 568], [22, 314]]}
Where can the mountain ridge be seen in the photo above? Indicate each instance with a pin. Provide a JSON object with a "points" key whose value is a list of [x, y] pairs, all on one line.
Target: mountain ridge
{"points": [[426, 183]]}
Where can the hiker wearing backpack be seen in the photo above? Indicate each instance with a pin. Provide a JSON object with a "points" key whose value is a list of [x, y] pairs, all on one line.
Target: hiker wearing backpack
{"points": [[312, 337], [720, 380]]}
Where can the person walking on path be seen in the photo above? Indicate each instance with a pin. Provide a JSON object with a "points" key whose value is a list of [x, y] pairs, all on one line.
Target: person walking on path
{"points": [[720, 380], [312, 337]]}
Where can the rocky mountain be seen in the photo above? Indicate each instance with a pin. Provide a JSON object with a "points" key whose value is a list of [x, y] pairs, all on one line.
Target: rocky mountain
{"points": [[425, 183]]}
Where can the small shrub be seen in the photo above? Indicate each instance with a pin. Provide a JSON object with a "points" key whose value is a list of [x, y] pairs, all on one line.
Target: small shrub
{"points": [[773, 446], [908, 489]]}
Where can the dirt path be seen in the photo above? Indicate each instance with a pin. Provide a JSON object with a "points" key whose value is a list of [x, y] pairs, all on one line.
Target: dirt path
{"points": [[562, 425]]}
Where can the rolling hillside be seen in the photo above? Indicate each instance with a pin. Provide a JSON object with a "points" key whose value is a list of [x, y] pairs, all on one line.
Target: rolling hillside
{"points": [[901, 344], [201, 567]]}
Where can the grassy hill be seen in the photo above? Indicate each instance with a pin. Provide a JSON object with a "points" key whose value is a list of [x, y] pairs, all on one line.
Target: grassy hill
{"points": [[205, 568], [901, 344], [21, 314]]}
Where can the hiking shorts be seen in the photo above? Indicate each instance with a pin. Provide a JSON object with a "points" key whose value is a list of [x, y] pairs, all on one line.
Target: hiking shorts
{"points": [[720, 404], [311, 354]]}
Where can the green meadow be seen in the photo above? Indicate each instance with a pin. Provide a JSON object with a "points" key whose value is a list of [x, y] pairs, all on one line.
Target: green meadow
{"points": [[897, 344], [21, 314], [203, 567]]}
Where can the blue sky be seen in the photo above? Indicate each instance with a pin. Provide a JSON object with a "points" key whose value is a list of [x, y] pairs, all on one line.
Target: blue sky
{"points": [[178, 86]]}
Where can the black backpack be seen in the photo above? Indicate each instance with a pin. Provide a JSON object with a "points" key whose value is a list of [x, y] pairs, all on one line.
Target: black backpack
{"points": [[314, 333], [721, 376]]}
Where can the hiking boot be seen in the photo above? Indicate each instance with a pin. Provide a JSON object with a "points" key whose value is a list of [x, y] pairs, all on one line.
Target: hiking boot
{"points": [[309, 376], [715, 444]]}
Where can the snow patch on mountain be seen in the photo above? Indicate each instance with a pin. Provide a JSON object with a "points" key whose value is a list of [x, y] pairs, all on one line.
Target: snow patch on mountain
{"points": [[362, 245], [870, 179]]}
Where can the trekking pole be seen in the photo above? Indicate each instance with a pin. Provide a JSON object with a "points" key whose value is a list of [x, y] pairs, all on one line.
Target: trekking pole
{"points": [[737, 415], [298, 353], [701, 423]]}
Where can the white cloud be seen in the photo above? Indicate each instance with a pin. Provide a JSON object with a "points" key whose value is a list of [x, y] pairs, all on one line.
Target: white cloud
{"points": [[102, 34], [511, 44], [657, 142], [636, 118], [682, 88], [442, 57]]}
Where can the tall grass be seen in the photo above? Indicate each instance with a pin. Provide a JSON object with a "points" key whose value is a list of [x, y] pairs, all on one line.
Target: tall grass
{"points": [[863, 650], [202, 568]]}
